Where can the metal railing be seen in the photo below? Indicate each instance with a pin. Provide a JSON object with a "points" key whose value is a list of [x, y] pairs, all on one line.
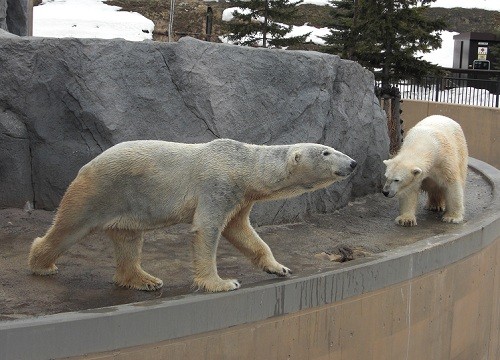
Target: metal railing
{"points": [[468, 87]]}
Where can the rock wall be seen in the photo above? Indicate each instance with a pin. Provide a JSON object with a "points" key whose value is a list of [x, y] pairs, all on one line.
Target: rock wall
{"points": [[14, 16], [64, 101]]}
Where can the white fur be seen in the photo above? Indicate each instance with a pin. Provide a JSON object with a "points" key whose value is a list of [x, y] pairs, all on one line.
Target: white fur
{"points": [[433, 158], [142, 185]]}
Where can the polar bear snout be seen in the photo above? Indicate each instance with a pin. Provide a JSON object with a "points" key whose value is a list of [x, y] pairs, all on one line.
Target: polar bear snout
{"points": [[388, 191], [347, 169]]}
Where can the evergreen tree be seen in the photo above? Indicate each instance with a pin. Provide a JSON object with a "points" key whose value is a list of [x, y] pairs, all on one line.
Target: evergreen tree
{"points": [[263, 22], [385, 35]]}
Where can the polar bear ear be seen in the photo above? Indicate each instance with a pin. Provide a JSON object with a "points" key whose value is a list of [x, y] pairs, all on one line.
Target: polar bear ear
{"points": [[293, 160], [295, 157], [416, 171], [385, 162]]}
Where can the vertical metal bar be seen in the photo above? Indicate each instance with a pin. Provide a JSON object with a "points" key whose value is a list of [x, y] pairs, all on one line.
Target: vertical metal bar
{"points": [[264, 24], [171, 20], [497, 93], [437, 89], [208, 26]]}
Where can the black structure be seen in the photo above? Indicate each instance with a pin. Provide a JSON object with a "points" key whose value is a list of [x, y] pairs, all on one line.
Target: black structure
{"points": [[474, 51], [474, 56]]}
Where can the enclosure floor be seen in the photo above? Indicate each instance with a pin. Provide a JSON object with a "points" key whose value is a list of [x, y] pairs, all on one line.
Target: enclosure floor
{"points": [[85, 273]]}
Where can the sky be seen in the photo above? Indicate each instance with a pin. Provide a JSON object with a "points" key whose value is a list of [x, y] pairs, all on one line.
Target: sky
{"points": [[93, 18]]}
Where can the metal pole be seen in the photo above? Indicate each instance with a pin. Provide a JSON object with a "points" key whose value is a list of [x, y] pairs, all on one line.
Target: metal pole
{"points": [[208, 28], [171, 20], [438, 83], [497, 103], [264, 29]]}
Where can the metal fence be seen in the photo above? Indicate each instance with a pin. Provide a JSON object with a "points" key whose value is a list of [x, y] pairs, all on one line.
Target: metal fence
{"points": [[479, 88]]}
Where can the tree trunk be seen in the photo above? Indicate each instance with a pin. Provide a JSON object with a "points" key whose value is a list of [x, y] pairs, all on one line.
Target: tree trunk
{"points": [[264, 25]]}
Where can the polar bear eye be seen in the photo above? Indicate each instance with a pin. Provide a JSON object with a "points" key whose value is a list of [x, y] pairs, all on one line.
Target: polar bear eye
{"points": [[326, 152], [396, 180]]}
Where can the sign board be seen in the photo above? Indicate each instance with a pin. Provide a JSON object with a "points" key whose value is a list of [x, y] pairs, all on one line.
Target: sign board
{"points": [[481, 65], [482, 43], [482, 53]]}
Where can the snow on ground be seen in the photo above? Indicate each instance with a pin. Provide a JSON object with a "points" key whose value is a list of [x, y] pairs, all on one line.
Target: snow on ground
{"points": [[315, 36], [89, 19], [457, 95]]}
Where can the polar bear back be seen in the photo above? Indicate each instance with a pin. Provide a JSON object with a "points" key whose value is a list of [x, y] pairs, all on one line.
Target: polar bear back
{"points": [[436, 133], [438, 144]]}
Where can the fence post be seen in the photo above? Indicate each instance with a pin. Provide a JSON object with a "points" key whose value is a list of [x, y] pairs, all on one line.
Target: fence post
{"points": [[497, 93], [438, 84], [390, 102]]}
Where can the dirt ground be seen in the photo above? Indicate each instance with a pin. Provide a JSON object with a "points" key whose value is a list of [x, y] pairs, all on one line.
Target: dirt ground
{"points": [[85, 273]]}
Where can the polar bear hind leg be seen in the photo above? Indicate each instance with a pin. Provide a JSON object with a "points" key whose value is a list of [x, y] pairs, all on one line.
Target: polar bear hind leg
{"points": [[70, 225], [128, 249], [242, 235], [454, 195], [435, 195], [45, 250]]}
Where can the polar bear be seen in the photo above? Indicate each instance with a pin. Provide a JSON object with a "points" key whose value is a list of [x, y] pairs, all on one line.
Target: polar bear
{"points": [[141, 185], [433, 158]]}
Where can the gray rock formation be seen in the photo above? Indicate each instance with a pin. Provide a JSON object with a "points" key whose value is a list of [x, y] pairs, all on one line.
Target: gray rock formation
{"points": [[67, 100], [14, 16], [3, 14], [15, 163], [5, 33]]}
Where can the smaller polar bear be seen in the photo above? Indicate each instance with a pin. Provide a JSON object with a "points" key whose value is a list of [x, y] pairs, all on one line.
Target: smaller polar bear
{"points": [[433, 158], [142, 185]]}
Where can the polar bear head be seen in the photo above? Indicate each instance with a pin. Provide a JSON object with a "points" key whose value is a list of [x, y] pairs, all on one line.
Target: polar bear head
{"points": [[400, 177], [316, 166]]}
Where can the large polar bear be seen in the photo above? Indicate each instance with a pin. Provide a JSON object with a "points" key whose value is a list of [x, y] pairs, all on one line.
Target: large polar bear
{"points": [[433, 158], [141, 185]]}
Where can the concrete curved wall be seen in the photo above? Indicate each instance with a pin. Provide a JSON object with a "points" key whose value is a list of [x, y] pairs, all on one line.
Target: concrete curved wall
{"points": [[435, 299]]}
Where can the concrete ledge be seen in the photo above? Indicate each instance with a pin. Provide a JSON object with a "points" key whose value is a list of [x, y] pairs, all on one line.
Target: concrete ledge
{"points": [[98, 330]]}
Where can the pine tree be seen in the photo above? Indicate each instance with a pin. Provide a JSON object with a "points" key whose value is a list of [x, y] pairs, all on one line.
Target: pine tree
{"points": [[386, 35], [263, 23]]}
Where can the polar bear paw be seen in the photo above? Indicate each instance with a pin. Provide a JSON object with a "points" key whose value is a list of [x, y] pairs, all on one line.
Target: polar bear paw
{"points": [[50, 270], [139, 281], [435, 207], [406, 220], [217, 284], [452, 218], [277, 269]]}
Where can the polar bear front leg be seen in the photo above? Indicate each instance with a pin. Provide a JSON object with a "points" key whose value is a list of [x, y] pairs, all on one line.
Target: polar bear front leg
{"points": [[407, 209], [243, 236], [205, 265], [454, 196], [128, 249], [209, 219]]}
